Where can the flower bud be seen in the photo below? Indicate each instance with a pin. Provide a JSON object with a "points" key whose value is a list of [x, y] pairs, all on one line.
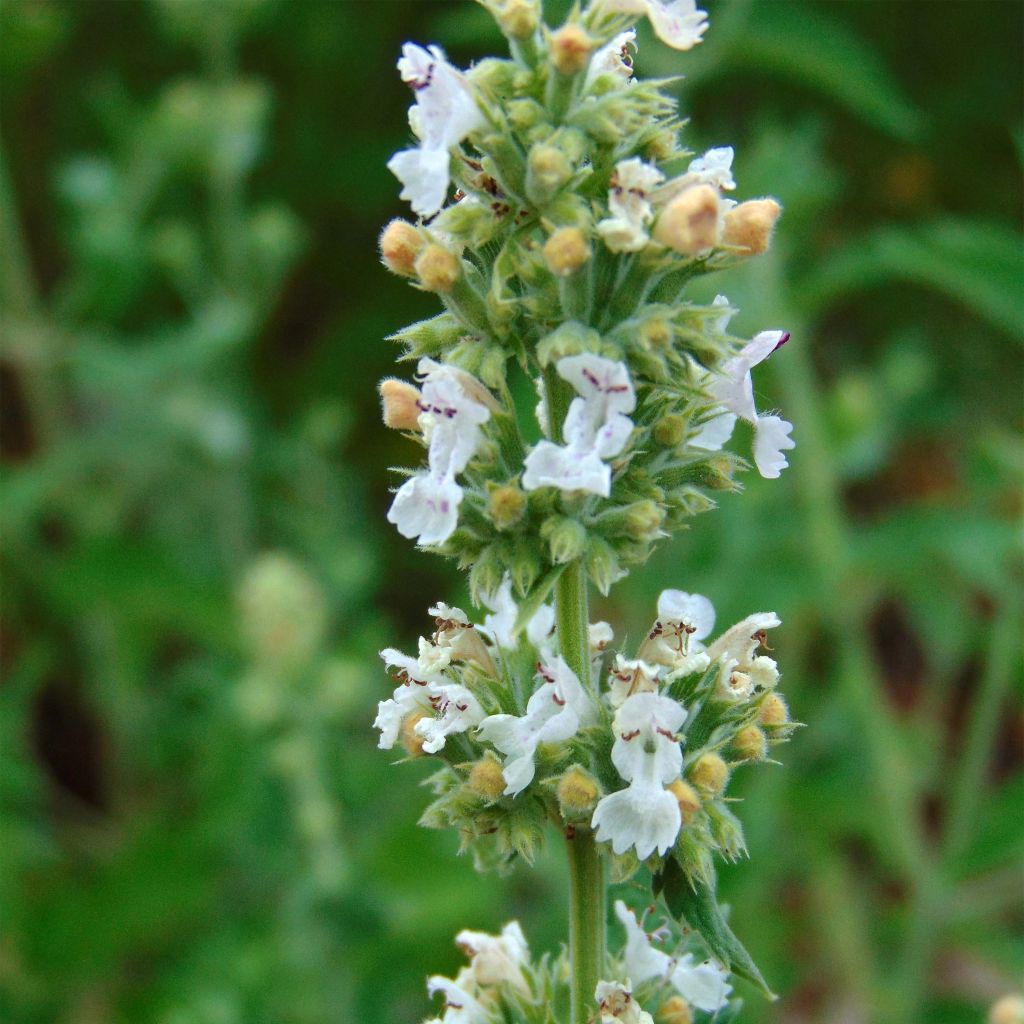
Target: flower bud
{"points": [[410, 738], [669, 430], [689, 223], [750, 743], [525, 567], [603, 564], [547, 171], [655, 333], [710, 774], [1008, 1010], [773, 710], [517, 19], [570, 50], [400, 244], [486, 778], [687, 796], [662, 145], [566, 251], [567, 538], [643, 520], [577, 793], [506, 504], [437, 268], [399, 404], [675, 1011], [749, 226]]}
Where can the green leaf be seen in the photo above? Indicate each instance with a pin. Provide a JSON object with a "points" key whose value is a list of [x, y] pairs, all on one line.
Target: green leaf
{"points": [[529, 606], [697, 906]]}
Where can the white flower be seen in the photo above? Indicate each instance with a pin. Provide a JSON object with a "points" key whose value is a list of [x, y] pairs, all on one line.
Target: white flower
{"points": [[444, 114], [674, 642], [426, 506], [461, 1005], [678, 23], [714, 168], [629, 677], [742, 669], [616, 1004], [733, 389], [704, 985], [554, 713], [456, 709], [414, 694], [599, 636], [497, 959], [498, 626], [646, 754], [613, 59], [595, 428], [631, 184]]}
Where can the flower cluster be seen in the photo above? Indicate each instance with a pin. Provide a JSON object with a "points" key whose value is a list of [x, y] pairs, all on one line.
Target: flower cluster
{"points": [[561, 220]]}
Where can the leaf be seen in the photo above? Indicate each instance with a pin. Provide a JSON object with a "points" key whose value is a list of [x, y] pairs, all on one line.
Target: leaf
{"points": [[979, 265], [529, 606], [697, 905]]}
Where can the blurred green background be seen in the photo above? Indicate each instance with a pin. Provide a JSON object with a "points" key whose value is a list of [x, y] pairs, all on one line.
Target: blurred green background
{"points": [[195, 825]]}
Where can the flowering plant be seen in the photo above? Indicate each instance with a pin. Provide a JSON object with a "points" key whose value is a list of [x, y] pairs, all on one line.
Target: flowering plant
{"points": [[576, 221]]}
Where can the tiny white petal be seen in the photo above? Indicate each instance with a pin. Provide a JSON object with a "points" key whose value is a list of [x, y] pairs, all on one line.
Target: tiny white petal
{"points": [[771, 438], [692, 609], [705, 985]]}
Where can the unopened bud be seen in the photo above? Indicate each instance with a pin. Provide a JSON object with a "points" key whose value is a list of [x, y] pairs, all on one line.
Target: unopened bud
{"points": [[662, 145], [687, 796], [506, 504], [566, 251], [1008, 1010], [399, 404], [710, 774], [643, 520], [603, 564], [750, 743], [570, 50], [656, 333], [689, 223], [773, 710], [577, 793], [411, 739], [486, 778], [675, 1011], [517, 19], [567, 538], [400, 244], [525, 567], [547, 170], [749, 226], [437, 268], [669, 430]]}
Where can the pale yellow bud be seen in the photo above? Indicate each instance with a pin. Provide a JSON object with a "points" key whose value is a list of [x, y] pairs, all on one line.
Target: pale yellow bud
{"points": [[577, 793], [656, 333], [675, 1011], [400, 244], [411, 740], [710, 774], [750, 743], [566, 251], [486, 778], [687, 796], [570, 50], [773, 710], [437, 268], [399, 404], [669, 430], [689, 223], [749, 226], [1008, 1010], [518, 19], [506, 505]]}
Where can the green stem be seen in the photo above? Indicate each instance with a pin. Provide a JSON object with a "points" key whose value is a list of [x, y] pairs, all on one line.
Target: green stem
{"points": [[587, 916]]}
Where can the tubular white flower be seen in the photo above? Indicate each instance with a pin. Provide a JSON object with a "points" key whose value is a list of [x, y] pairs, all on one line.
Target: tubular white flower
{"points": [[426, 507], [771, 438], [497, 959], [461, 1005], [414, 694], [616, 1005], [444, 114], [457, 710], [646, 754], [742, 669], [642, 960], [629, 677], [613, 59], [714, 168], [554, 713], [631, 211], [704, 985], [677, 23], [684, 620], [596, 428]]}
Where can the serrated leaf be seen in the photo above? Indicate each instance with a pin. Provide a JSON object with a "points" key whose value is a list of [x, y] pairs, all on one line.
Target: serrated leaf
{"points": [[530, 604], [697, 905]]}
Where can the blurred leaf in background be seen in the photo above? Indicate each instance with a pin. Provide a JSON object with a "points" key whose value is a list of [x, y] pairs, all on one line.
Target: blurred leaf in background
{"points": [[194, 824]]}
